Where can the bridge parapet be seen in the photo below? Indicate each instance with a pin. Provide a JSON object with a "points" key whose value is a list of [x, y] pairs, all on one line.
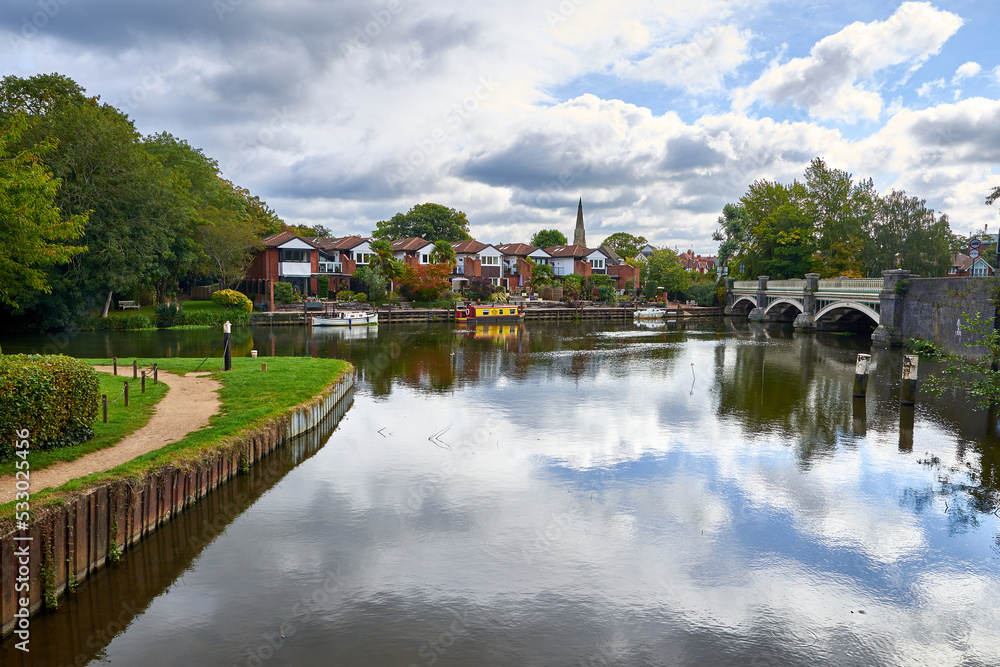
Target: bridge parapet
{"points": [[796, 285], [851, 285]]}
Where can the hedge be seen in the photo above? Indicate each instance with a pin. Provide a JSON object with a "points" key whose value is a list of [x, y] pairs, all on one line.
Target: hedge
{"points": [[53, 396]]}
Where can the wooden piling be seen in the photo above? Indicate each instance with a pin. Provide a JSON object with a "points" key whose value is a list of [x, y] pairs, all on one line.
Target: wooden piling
{"points": [[861, 375], [104, 403], [908, 386], [143, 382], [135, 370], [126, 393], [114, 363], [156, 379]]}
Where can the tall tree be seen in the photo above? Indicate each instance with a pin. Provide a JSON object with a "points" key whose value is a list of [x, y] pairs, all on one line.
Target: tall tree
{"points": [[33, 231], [733, 234], [546, 238], [426, 221], [624, 244], [103, 169], [906, 234]]}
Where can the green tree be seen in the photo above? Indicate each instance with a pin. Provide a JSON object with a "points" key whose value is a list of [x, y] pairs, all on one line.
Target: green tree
{"points": [[103, 169], [374, 280], [32, 228], [426, 221], [546, 238], [840, 210], [665, 271], [625, 245], [733, 234], [443, 253], [541, 275], [906, 234]]}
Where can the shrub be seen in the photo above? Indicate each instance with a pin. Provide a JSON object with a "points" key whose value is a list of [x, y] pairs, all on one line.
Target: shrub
{"points": [[702, 292], [168, 315], [284, 292], [233, 300], [344, 295], [479, 288], [925, 348], [53, 397], [323, 288], [606, 293], [361, 296]]}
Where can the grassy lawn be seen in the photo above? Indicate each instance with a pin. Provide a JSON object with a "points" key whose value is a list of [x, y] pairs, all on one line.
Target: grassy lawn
{"points": [[250, 399], [121, 420]]}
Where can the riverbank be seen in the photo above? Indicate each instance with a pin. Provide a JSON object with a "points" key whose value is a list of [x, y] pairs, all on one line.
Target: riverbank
{"points": [[76, 528]]}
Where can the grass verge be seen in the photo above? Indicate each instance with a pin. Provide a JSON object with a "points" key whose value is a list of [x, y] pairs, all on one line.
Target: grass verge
{"points": [[250, 400], [122, 421]]}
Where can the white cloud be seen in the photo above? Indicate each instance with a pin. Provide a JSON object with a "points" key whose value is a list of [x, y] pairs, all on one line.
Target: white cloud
{"points": [[834, 81], [928, 87], [966, 71], [698, 65]]}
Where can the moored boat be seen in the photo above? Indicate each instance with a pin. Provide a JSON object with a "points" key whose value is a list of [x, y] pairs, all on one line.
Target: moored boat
{"points": [[650, 314], [488, 313], [346, 318]]}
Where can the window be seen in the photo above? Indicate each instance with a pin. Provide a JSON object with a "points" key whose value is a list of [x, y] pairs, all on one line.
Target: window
{"points": [[425, 259], [294, 256], [491, 261], [980, 270], [495, 281], [597, 263], [558, 270], [363, 257]]}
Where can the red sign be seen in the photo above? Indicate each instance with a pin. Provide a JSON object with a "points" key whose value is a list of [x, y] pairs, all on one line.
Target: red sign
{"points": [[974, 243], [974, 253]]}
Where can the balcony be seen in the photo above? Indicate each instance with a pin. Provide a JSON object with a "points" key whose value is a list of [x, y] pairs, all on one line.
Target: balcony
{"points": [[294, 269], [329, 267]]}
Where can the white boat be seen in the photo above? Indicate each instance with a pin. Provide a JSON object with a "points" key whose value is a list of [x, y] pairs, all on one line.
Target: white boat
{"points": [[346, 318], [650, 314]]}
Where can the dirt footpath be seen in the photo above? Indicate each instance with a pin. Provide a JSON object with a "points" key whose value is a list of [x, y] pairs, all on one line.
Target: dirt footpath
{"points": [[187, 406]]}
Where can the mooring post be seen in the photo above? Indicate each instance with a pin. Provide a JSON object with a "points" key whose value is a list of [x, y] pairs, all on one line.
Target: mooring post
{"points": [[156, 379], [126, 393], [861, 375], [143, 382], [104, 402], [227, 354], [263, 365], [908, 387], [114, 362], [135, 370]]}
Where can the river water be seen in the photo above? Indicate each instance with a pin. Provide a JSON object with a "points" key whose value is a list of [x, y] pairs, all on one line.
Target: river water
{"points": [[580, 494]]}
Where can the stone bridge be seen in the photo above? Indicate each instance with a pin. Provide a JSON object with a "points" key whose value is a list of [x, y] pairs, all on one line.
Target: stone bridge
{"points": [[833, 304]]}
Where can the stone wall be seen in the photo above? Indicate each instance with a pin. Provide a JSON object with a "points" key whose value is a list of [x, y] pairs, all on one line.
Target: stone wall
{"points": [[932, 308]]}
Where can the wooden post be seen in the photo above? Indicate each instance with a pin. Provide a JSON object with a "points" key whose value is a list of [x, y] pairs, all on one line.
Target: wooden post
{"points": [[143, 382], [861, 375], [104, 402], [156, 379], [227, 354], [114, 362], [263, 365], [906, 428], [135, 370], [126, 393], [908, 387]]}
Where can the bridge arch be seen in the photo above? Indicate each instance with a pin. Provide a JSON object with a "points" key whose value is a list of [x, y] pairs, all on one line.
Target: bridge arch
{"points": [[781, 309], [847, 315], [743, 304]]}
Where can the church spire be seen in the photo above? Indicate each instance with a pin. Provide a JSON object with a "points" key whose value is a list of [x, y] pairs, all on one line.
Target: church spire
{"points": [[579, 236]]}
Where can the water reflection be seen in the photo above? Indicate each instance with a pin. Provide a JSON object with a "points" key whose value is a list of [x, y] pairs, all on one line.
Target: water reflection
{"points": [[594, 494]]}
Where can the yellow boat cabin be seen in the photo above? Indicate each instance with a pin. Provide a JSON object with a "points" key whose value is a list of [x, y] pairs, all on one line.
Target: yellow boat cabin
{"points": [[490, 312]]}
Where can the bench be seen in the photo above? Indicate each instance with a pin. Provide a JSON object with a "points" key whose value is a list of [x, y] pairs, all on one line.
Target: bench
{"points": [[124, 305]]}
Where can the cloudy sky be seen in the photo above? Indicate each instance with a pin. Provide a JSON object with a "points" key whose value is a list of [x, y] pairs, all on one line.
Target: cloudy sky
{"points": [[655, 113]]}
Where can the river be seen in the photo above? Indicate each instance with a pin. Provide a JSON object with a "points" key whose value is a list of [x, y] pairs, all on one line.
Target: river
{"points": [[575, 494]]}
